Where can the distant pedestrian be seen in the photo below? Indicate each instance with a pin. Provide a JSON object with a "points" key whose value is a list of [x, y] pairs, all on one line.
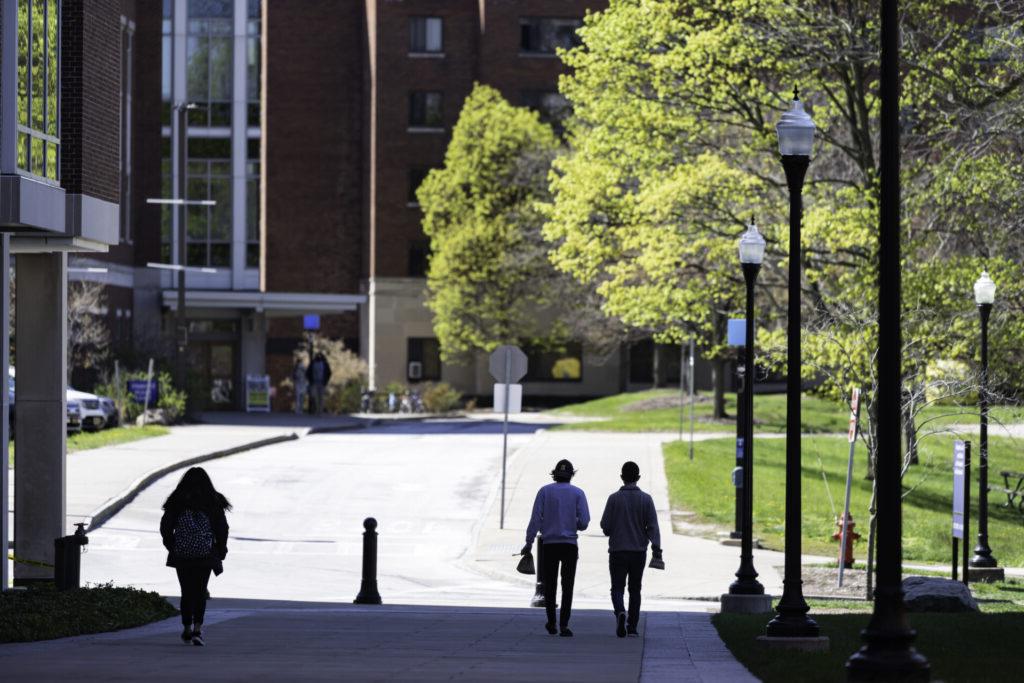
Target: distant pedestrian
{"points": [[559, 512], [630, 522], [301, 383], [194, 529], [319, 374]]}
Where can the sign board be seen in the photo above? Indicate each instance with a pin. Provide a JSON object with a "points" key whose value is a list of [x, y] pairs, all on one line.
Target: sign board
{"points": [[515, 398], [851, 435], [257, 393], [508, 364], [736, 332], [959, 461], [137, 390], [311, 322]]}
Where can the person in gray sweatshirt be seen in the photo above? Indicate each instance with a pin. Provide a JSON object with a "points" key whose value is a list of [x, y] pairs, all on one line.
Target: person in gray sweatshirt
{"points": [[630, 522]]}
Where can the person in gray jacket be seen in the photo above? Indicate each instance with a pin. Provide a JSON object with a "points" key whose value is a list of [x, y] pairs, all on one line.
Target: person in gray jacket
{"points": [[630, 522]]}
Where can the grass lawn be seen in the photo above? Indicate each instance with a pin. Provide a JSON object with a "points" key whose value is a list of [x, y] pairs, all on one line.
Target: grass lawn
{"points": [[108, 437], [703, 486], [960, 647], [626, 413], [44, 613]]}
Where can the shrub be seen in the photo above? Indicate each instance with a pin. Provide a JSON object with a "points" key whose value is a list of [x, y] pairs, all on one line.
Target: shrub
{"points": [[346, 399], [348, 374], [441, 398]]}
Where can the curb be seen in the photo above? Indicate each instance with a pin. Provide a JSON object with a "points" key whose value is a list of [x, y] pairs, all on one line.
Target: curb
{"points": [[114, 505], [344, 428]]}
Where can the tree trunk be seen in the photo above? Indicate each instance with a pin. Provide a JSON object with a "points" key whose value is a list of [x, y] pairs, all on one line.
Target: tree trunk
{"points": [[872, 421], [654, 365], [718, 370]]}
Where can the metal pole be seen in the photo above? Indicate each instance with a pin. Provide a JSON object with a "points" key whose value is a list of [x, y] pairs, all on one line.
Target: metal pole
{"points": [[149, 384], [792, 620], [746, 582], [690, 361], [682, 386], [368, 593], [887, 653], [741, 428], [982, 552], [504, 435], [855, 416], [967, 510], [180, 324]]}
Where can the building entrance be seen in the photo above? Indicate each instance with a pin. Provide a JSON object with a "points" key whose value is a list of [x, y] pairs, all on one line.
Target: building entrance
{"points": [[213, 365]]}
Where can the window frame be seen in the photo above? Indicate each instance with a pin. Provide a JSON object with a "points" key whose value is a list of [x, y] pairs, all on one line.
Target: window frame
{"points": [[532, 353], [425, 126], [410, 343], [414, 48], [536, 21], [25, 133]]}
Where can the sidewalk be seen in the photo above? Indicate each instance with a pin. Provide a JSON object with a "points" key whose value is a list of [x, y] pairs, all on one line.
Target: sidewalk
{"points": [[697, 568], [251, 641]]}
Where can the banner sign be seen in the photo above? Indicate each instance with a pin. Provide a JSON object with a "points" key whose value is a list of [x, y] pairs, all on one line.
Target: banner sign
{"points": [[959, 462], [257, 393], [137, 390]]}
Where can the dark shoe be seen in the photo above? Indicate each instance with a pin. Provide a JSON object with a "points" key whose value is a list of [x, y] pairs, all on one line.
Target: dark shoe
{"points": [[620, 625], [631, 632], [565, 632], [197, 638], [550, 626], [186, 635]]}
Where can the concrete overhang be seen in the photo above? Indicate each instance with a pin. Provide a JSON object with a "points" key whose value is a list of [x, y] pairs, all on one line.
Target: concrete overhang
{"points": [[274, 304], [32, 206], [31, 244], [92, 219]]}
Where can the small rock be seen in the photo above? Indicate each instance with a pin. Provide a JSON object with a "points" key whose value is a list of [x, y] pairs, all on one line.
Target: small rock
{"points": [[933, 594], [156, 416]]}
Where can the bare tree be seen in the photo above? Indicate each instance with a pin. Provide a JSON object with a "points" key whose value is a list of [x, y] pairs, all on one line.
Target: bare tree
{"points": [[88, 334]]}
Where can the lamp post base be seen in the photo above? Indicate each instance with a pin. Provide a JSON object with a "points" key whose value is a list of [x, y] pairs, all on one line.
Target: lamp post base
{"points": [[985, 574], [815, 644], [792, 626], [746, 604], [877, 664]]}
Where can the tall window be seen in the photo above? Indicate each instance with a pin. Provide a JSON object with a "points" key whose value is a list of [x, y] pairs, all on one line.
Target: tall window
{"points": [[38, 150], [166, 62], [426, 35], [209, 61], [252, 205], [127, 53], [419, 258], [416, 178], [424, 355], [560, 364], [425, 109], [166, 190], [544, 35], [252, 57], [209, 177]]}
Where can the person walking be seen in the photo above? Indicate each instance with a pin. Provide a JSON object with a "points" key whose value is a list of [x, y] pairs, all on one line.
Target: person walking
{"points": [[319, 374], [194, 529], [630, 522], [559, 512], [301, 383]]}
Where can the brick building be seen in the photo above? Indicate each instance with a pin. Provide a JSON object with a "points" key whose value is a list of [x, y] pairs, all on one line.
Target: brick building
{"points": [[315, 122]]}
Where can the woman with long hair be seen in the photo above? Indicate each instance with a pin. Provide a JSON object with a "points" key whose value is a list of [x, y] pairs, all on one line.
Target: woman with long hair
{"points": [[194, 529]]}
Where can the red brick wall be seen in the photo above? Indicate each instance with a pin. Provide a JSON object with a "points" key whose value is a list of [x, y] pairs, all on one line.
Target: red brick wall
{"points": [[313, 144], [90, 97], [146, 139]]}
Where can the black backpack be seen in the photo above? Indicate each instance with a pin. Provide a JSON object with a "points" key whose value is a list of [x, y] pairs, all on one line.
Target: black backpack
{"points": [[193, 535]]}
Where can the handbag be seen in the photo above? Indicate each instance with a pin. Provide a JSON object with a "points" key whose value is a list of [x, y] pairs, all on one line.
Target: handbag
{"points": [[526, 565]]}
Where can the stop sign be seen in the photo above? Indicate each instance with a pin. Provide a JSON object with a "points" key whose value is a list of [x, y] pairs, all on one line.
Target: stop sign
{"points": [[508, 364]]}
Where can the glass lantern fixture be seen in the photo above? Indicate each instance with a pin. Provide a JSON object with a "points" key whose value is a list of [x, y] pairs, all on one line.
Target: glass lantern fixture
{"points": [[752, 245], [795, 130], [984, 289]]}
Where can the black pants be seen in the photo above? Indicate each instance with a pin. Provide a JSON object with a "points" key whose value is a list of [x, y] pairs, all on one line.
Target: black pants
{"points": [[193, 582], [627, 567], [567, 554]]}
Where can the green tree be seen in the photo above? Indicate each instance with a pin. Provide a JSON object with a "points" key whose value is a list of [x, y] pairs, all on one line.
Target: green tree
{"points": [[490, 280]]}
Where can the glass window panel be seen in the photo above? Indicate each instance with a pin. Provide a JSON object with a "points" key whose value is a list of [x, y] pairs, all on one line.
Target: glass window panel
{"points": [[252, 209], [254, 9], [165, 63], [416, 177], [220, 255], [253, 63], [52, 67], [38, 66], [252, 151], [197, 68], [37, 156], [168, 8], [210, 8], [220, 168], [544, 35], [23, 142], [51, 161], [23, 61], [198, 223], [165, 253], [220, 113], [220, 69], [209, 148], [220, 223], [196, 254], [434, 34], [252, 255], [254, 114], [426, 34]]}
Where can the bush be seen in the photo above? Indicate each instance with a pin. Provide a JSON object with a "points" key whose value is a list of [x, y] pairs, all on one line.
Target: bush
{"points": [[171, 400], [346, 399], [348, 374], [44, 613], [441, 398]]}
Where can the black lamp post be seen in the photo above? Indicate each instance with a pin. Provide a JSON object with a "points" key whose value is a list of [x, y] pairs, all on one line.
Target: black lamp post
{"points": [[751, 255], [887, 653], [984, 296], [796, 138]]}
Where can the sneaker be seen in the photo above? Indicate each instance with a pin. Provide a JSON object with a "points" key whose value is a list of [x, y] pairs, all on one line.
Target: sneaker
{"points": [[186, 635], [565, 632], [631, 632], [620, 625], [550, 626], [197, 639]]}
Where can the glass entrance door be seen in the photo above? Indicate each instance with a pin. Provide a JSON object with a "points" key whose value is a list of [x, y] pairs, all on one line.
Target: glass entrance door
{"points": [[212, 375]]}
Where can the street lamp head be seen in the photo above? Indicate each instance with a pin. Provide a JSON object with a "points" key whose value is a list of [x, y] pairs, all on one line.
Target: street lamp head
{"points": [[984, 289], [752, 245], [796, 131]]}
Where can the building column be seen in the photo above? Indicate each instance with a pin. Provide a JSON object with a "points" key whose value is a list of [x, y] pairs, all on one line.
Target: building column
{"points": [[5, 360], [41, 411]]}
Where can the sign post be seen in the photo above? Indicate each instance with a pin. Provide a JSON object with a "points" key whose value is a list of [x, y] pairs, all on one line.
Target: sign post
{"points": [[961, 503], [737, 336], [507, 365], [149, 384], [689, 360], [851, 436]]}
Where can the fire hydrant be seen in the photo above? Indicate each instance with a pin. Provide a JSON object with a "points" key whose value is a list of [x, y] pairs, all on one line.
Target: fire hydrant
{"points": [[846, 553]]}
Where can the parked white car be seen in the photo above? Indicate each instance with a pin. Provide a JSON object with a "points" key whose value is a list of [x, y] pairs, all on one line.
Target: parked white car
{"points": [[97, 411], [74, 407]]}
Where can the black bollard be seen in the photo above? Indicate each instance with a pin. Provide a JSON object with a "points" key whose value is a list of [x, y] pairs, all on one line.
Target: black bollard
{"points": [[368, 594], [67, 559], [538, 596]]}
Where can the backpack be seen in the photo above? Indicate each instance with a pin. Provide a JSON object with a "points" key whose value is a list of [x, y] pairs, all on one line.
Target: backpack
{"points": [[193, 535]]}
